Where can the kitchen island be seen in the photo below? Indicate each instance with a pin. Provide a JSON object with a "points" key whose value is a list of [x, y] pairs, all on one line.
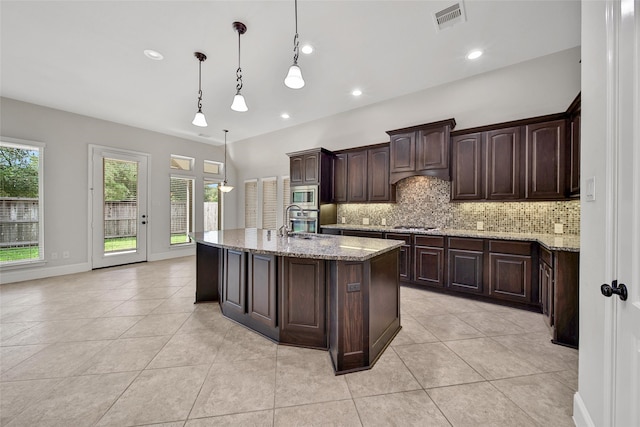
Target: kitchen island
{"points": [[329, 292]]}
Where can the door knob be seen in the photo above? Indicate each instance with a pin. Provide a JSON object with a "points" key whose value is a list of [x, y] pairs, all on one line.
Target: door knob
{"points": [[620, 290]]}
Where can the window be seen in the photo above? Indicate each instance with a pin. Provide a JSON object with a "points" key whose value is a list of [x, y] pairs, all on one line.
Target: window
{"points": [[286, 193], [251, 203], [21, 231], [214, 168], [182, 212], [211, 206], [182, 163], [269, 203]]}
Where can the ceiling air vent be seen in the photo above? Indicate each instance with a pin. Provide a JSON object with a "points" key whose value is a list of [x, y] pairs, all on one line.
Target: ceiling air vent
{"points": [[449, 16]]}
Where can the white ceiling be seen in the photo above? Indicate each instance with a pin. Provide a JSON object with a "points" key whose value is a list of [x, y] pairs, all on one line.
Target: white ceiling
{"points": [[87, 57]]}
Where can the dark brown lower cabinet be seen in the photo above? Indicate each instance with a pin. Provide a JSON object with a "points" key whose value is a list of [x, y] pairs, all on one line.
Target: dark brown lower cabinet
{"points": [[466, 263], [545, 277], [405, 263], [566, 277], [234, 282], [303, 302], [261, 289], [208, 263], [429, 260], [510, 273]]}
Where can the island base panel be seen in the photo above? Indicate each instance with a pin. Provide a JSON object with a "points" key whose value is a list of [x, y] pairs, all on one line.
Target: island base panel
{"points": [[207, 273]]}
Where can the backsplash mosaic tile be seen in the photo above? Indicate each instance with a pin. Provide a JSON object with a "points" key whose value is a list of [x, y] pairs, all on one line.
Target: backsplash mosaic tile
{"points": [[424, 201]]}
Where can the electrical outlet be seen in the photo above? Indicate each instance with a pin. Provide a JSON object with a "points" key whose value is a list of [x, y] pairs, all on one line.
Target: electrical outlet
{"points": [[365, 221], [54, 255], [344, 220], [480, 225], [384, 221], [558, 228], [65, 254]]}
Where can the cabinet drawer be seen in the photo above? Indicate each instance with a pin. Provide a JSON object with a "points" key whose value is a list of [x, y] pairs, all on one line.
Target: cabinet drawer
{"points": [[508, 247], [357, 233], [463, 243], [398, 236], [546, 256], [430, 241]]}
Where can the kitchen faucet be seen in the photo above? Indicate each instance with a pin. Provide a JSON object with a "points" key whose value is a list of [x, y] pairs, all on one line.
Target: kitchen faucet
{"points": [[284, 230]]}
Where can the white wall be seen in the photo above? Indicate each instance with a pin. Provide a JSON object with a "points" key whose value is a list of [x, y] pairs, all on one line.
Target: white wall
{"points": [[589, 407], [542, 86], [67, 137]]}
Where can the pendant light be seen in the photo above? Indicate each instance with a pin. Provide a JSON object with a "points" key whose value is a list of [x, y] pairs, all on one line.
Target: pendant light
{"points": [[238, 101], [224, 187], [199, 119], [294, 78]]}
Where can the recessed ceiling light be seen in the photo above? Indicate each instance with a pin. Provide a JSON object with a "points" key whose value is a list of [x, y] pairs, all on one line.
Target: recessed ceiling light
{"points": [[474, 54], [153, 54], [307, 49], [285, 115], [356, 92]]}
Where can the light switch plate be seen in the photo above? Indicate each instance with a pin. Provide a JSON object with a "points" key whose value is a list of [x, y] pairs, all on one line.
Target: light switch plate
{"points": [[590, 189], [344, 220]]}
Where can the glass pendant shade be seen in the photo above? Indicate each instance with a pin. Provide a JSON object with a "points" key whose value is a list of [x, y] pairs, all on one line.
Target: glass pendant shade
{"points": [[225, 188], [294, 78], [199, 119], [239, 104]]}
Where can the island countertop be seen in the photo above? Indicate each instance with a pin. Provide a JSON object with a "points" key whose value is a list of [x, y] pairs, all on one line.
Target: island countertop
{"points": [[299, 245]]}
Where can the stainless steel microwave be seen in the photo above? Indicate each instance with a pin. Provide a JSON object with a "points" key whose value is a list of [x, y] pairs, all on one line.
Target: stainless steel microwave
{"points": [[305, 196]]}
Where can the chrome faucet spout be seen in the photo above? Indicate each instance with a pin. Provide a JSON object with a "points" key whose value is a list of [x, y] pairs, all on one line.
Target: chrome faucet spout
{"points": [[285, 230]]}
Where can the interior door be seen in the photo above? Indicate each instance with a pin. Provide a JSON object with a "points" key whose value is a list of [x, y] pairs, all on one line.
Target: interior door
{"points": [[119, 207], [626, 396]]}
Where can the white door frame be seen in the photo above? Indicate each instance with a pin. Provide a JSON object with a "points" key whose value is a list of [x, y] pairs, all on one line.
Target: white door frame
{"points": [[105, 150]]}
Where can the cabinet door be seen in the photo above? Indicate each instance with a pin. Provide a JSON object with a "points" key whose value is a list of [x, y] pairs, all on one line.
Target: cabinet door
{"points": [[465, 270], [574, 155], [432, 149], [311, 168], [405, 264], [510, 277], [340, 178], [403, 152], [546, 292], [296, 170], [357, 176], [503, 164], [466, 162], [429, 264], [546, 146], [261, 289], [303, 302], [234, 282], [378, 186]]}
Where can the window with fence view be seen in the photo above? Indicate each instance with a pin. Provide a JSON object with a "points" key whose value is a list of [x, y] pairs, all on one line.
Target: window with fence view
{"points": [[182, 204], [120, 205], [20, 177]]}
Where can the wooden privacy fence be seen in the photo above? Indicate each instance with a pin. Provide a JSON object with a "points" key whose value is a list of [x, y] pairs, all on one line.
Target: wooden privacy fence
{"points": [[18, 221]]}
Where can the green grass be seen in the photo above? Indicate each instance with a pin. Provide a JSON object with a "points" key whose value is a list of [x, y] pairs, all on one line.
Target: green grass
{"points": [[176, 239], [116, 244], [18, 254]]}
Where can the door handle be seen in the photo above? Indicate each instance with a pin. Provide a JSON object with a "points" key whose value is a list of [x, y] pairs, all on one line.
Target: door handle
{"points": [[620, 290]]}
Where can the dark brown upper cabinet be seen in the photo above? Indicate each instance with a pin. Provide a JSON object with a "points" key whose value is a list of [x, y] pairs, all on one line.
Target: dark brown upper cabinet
{"points": [[313, 167], [362, 175], [420, 150], [519, 160], [467, 167], [503, 163], [574, 147], [546, 156]]}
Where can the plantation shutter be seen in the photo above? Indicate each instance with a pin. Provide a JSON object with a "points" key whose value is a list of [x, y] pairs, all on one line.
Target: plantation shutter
{"points": [[250, 203], [269, 203]]}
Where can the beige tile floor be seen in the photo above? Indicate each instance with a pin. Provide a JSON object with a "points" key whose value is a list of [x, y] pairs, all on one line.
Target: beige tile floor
{"points": [[127, 346]]}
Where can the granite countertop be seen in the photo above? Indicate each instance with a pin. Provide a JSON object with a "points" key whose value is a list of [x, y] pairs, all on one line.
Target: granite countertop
{"points": [[300, 245], [553, 242]]}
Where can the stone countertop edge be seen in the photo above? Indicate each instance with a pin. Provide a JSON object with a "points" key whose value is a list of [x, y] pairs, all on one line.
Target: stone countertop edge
{"points": [[553, 242], [320, 246]]}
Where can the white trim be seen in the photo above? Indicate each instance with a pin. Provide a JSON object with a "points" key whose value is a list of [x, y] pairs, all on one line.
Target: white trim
{"points": [[41, 273], [581, 417]]}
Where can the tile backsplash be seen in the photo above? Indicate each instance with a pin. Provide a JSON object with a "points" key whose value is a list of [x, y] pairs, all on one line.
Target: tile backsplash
{"points": [[424, 201]]}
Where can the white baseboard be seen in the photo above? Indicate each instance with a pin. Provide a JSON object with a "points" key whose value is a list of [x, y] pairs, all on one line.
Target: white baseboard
{"points": [[173, 253], [21, 275], [581, 416]]}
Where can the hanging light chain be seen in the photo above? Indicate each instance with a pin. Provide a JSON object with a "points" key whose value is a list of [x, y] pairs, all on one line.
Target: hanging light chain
{"points": [[199, 85], [239, 70], [295, 37]]}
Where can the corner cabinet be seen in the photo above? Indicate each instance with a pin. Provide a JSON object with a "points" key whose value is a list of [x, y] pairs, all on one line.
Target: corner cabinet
{"points": [[420, 150]]}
